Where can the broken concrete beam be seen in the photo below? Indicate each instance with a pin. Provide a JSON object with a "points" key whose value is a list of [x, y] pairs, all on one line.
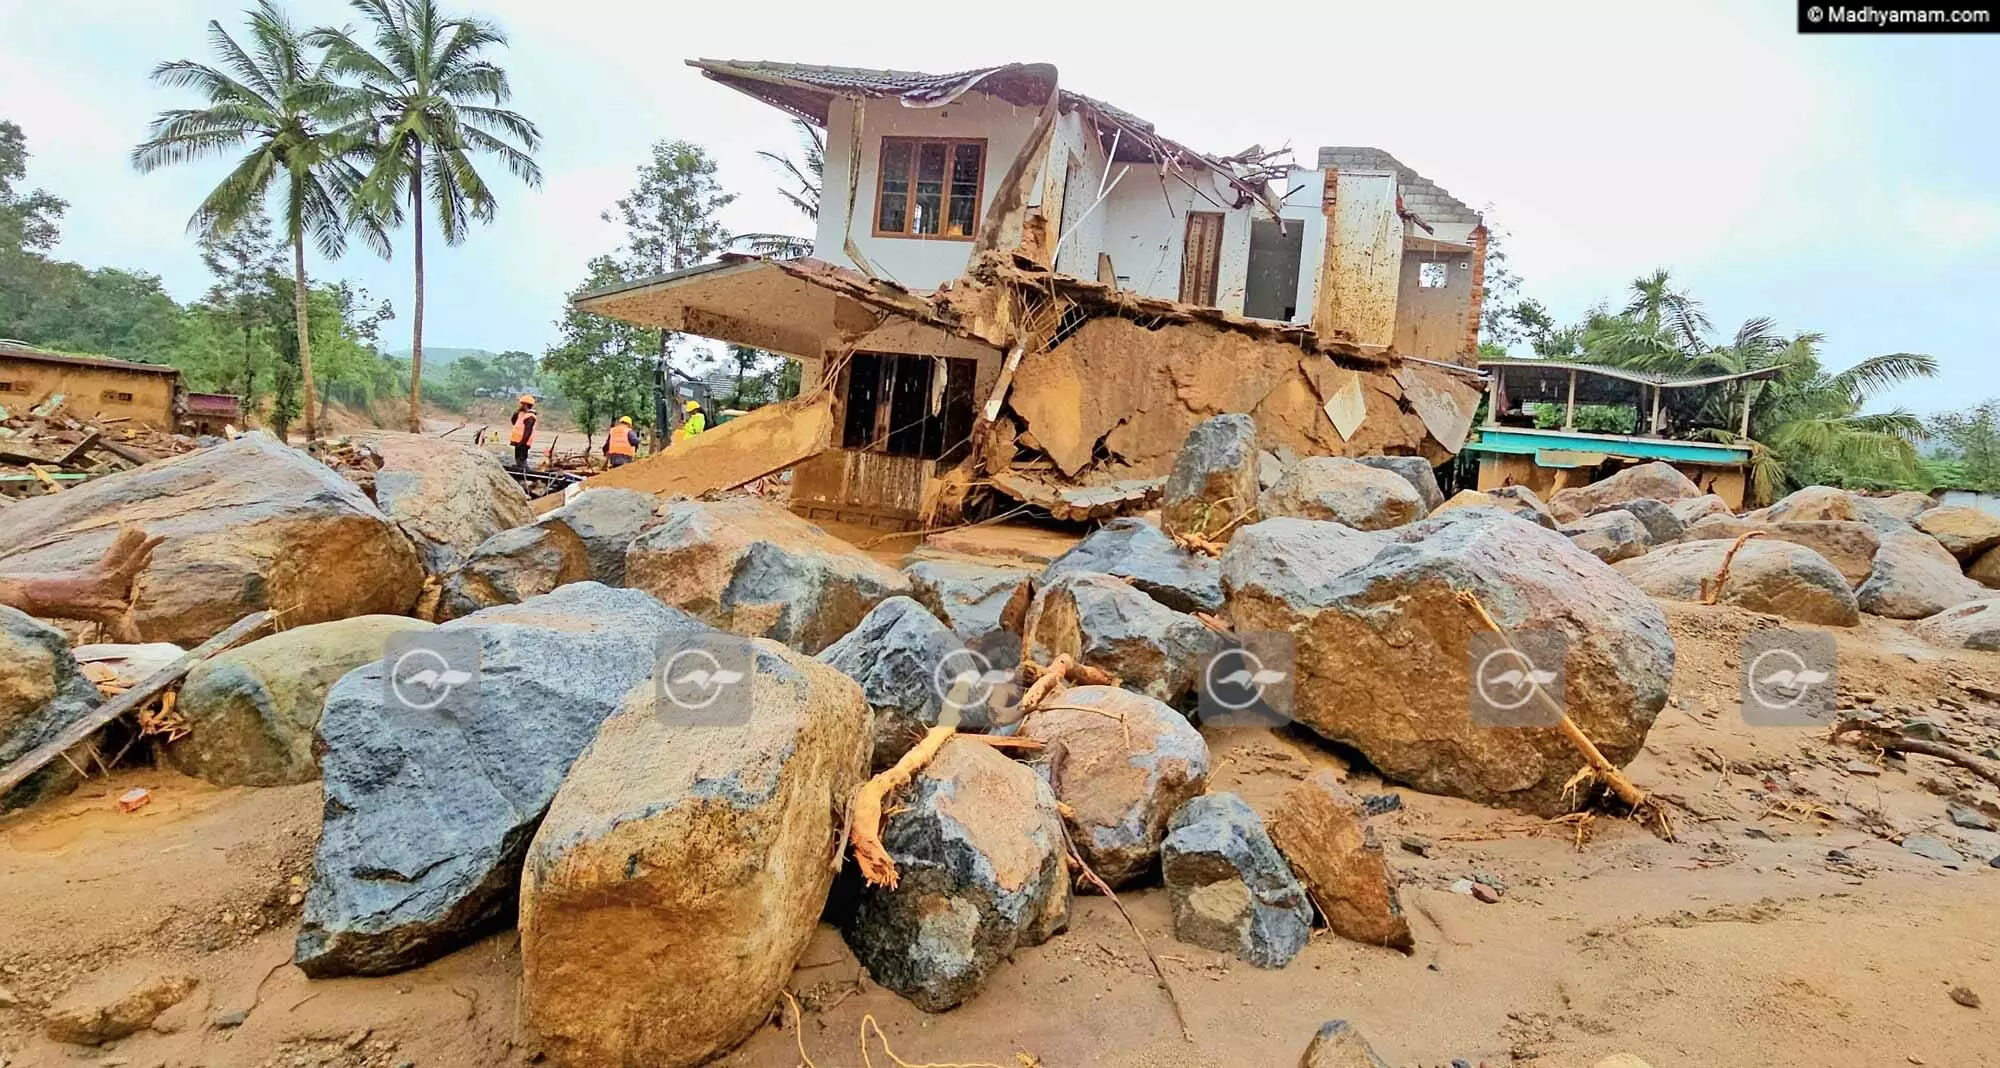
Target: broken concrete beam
{"points": [[745, 448]]}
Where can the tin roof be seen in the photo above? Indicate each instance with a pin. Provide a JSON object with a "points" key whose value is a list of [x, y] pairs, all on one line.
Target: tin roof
{"points": [[1644, 378], [10, 349]]}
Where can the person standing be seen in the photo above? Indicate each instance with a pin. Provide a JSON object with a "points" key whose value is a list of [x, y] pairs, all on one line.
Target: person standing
{"points": [[523, 433], [696, 422], [621, 444]]}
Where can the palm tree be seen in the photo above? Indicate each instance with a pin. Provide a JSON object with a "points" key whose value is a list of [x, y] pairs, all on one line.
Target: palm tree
{"points": [[275, 102], [1806, 423], [435, 103]]}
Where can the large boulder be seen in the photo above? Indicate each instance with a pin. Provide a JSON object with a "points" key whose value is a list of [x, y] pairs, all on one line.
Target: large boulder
{"points": [[511, 567], [1105, 623], [1415, 470], [1324, 833], [1384, 650], [1973, 625], [1905, 506], [1214, 479], [607, 520], [981, 870], [1966, 533], [42, 693], [1123, 763], [1694, 509], [1294, 561], [249, 525], [1343, 491], [1517, 501], [752, 568], [1141, 553], [1986, 569], [1810, 503], [898, 655], [1610, 536], [1661, 523], [1230, 888], [447, 495], [253, 711], [1778, 577], [429, 810], [1914, 577], [682, 869], [1657, 480], [973, 599], [1848, 545]]}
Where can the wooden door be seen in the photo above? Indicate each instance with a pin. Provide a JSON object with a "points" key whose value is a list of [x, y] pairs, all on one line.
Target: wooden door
{"points": [[1201, 258]]}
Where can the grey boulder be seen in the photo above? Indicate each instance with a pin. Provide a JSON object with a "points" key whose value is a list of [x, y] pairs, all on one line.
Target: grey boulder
{"points": [[42, 693], [1136, 550], [1973, 625], [1231, 890], [1610, 536], [973, 599], [1661, 523], [981, 870], [1764, 576], [1105, 623], [1214, 479], [1519, 501], [1338, 1045], [1343, 491], [1692, 509], [1848, 545], [1294, 561], [429, 811], [1913, 577], [1415, 470], [511, 567], [606, 520], [900, 655]]}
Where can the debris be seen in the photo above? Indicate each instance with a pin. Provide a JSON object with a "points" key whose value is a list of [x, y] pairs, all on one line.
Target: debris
{"points": [[1324, 833], [720, 843], [114, 1006], [1891, 740], [43, 447], [100, 593], [1964, 996], [134, 799], [1231, 889], [1004, 878], [753, 568]]}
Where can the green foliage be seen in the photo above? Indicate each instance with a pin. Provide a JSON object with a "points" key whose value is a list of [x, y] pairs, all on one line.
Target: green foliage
{"points": [[603, 366], [1968, 453], [30, 221], [1590, 418]]}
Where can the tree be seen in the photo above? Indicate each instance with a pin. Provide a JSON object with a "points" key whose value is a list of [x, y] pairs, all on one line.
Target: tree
{"points": [[28, 221], [279, 105], [670, 224], [1971, 440], [244, 261], [435, 104], [807, 175], [600, 365]]}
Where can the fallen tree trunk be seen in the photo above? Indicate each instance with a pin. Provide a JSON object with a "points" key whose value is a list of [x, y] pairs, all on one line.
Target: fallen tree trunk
{"points": [[101, 593]]}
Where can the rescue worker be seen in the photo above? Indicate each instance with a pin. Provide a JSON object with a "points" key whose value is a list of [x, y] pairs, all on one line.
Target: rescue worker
{"points": [[621, 443], [523, 433], [696, 422]]}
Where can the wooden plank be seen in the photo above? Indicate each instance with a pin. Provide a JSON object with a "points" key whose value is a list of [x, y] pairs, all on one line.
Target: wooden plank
{"points": [[136, 697], [748, 447]]}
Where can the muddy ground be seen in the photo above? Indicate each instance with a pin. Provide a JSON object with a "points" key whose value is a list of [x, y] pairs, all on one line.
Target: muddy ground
{"points": [[1743, 944]]}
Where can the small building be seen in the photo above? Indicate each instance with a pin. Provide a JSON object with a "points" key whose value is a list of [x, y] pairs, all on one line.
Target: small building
{"points": [[1531, 436], [94, 388], [212, 413], [1017, 289]]}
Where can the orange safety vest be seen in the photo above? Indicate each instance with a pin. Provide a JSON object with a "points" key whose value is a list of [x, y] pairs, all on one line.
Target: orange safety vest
{"points": [[524, 428], [620, 443]]}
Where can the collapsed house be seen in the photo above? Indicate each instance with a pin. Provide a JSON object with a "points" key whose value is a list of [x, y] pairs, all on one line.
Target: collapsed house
{"points": [[1019, 293]]}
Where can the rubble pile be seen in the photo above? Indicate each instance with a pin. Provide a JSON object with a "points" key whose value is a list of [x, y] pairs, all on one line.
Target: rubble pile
{"points": [[930, 761], [42, 449]]}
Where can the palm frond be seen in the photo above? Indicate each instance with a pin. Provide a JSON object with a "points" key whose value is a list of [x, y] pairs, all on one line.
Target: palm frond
{"points": [[1877, 373]]}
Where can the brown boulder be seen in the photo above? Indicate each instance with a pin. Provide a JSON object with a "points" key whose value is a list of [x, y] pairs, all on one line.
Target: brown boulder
{"points": [[681, 869], [512, 566], [447, 495], [1778, 577], [1513, 500], [1693, 509], [1123, 763], [1915, 576], [249, 525], [1986, 569], [1964, 532], [113, 1006], [1810, 503], [1658, 480], [1848, 546], [1340, 490], [1384, 655], [1904, 506], [1324, 834], [752, 568], [42, 693], [1214, 479], [1339, 1045]]}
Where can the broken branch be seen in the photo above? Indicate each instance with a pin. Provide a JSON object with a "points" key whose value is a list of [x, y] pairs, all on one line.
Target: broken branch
{"points": [[1712, 588], [877, 867], [1076, 858], [1891, 740], [100, 593]]}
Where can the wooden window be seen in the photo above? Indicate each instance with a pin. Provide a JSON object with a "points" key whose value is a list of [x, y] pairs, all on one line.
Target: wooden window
{"points": [[116, 397], [896, 405], [929, 188], [8, 387], [1201, 258]]}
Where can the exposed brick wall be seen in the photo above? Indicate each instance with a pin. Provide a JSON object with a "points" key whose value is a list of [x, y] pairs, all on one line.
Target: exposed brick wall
{"points": [[1471, 349]]}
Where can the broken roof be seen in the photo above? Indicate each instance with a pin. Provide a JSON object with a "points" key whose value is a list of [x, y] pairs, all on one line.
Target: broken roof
{"points": [[1421, 197], [17, 350], [1645, 378]]}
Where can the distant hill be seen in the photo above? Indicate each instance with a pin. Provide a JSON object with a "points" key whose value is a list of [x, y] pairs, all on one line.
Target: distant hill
{"points": [[439, 357]]}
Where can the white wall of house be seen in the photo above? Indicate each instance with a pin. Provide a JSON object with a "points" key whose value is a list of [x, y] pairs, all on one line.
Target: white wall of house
{"points": [[1081, 235], [1145, 229], [917, 262]]}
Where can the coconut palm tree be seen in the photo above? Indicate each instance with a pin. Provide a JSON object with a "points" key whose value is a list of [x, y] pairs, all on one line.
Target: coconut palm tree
{"points": [[435, 104], [273, 100], [1806, 424]]}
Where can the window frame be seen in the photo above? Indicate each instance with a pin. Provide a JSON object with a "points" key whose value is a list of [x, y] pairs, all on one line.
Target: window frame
{"points": [[909, 210]]}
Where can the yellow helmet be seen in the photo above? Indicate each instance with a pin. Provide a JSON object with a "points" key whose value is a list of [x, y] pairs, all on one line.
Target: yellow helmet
{"points": [[625, 419], [528, 399], [691, 405]]}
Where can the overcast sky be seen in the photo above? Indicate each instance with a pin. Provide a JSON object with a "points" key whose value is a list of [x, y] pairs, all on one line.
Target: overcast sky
{"points": [[1849, 185]]}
